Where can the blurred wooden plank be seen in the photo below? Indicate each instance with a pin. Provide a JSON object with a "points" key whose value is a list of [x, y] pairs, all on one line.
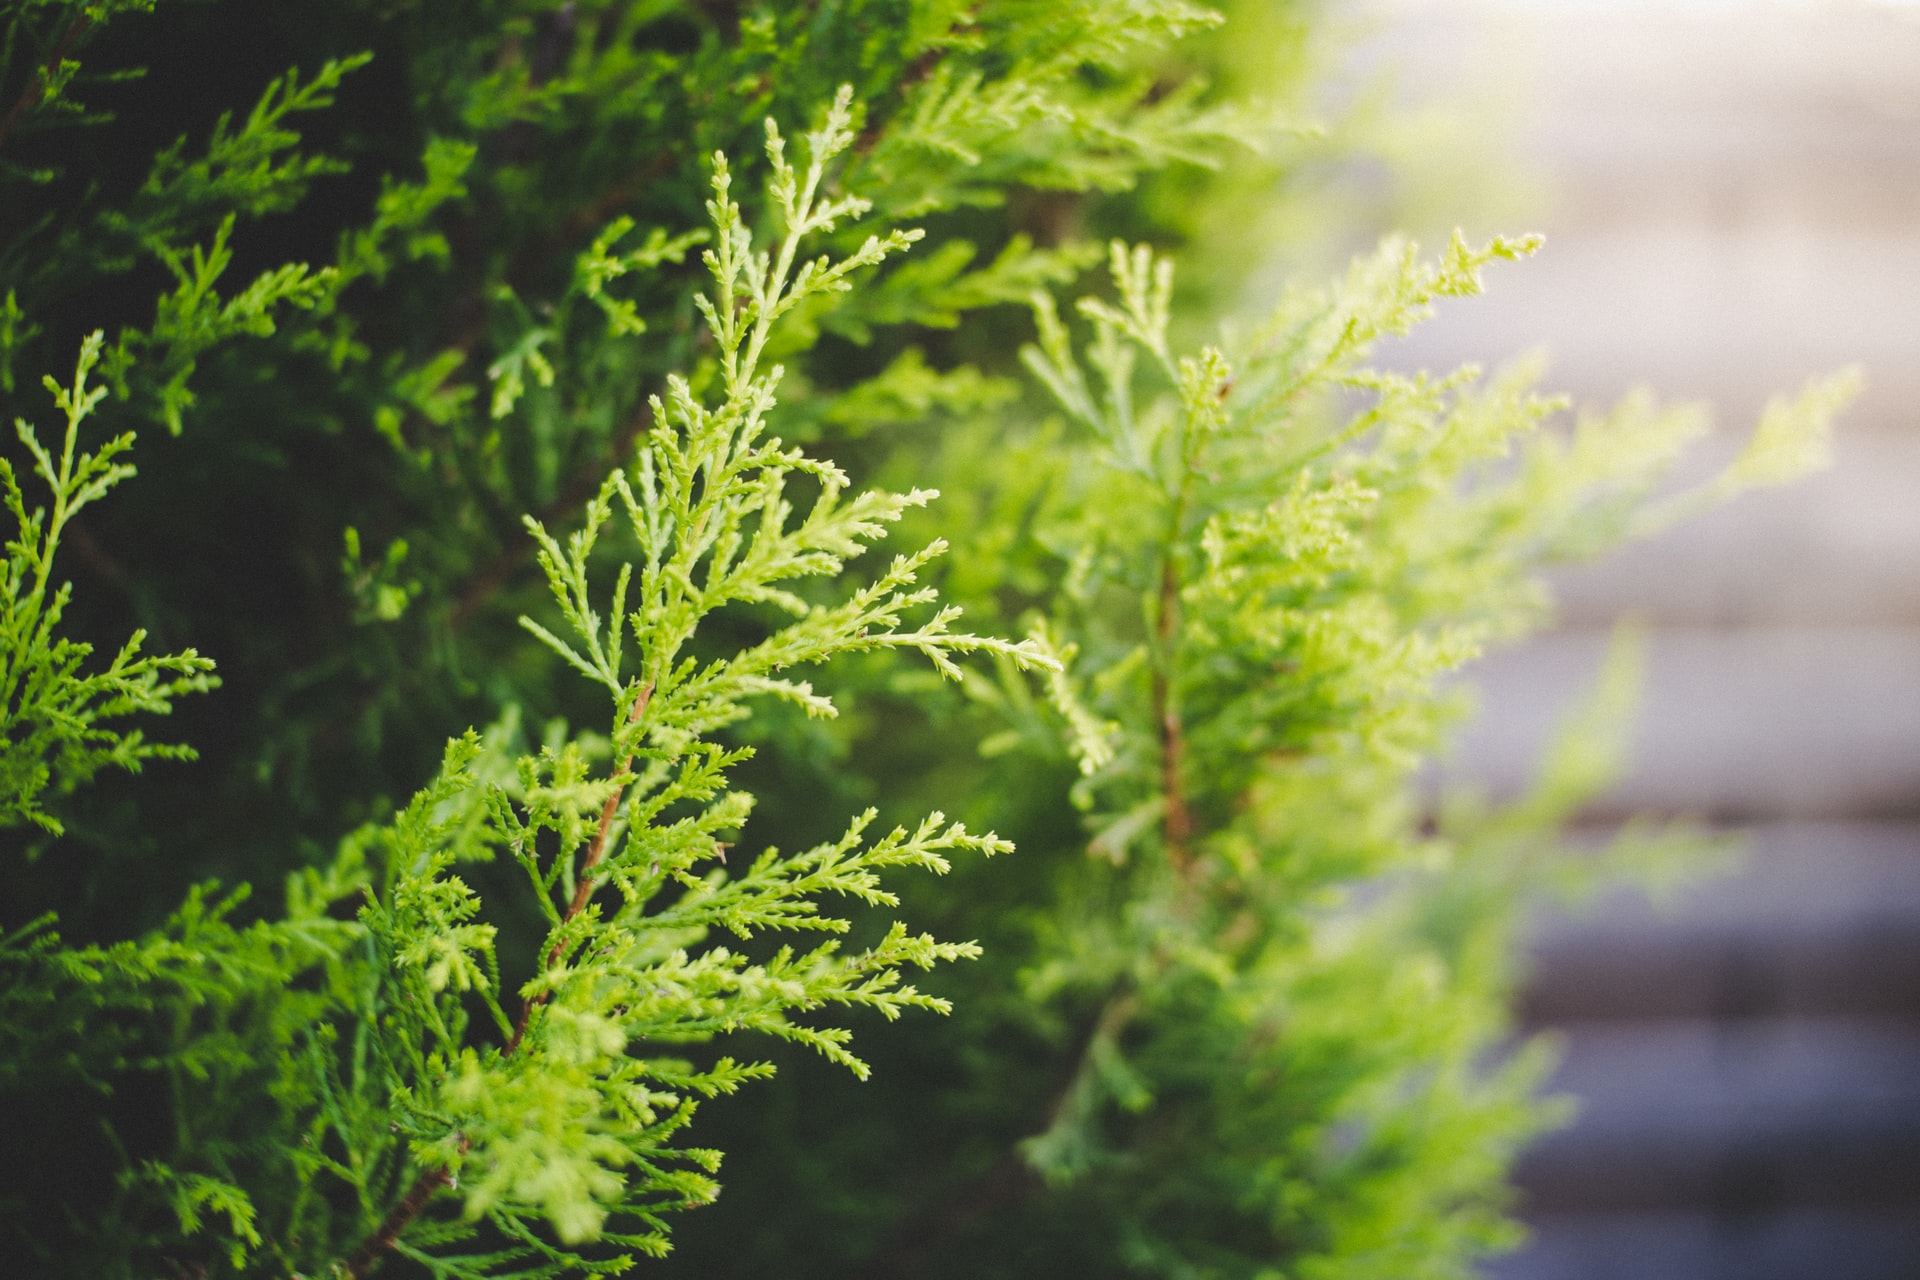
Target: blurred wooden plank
{"points": [[1737, 723], [1750, 1118], [1803, 1245], [1818, 920]]}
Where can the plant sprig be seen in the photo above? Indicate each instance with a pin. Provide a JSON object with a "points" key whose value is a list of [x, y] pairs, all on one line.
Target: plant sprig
{"points": [[55, 715], [568, 1126]]}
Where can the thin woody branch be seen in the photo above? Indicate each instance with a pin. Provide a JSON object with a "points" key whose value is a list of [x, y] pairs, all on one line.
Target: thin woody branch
{"points": [[597, 848], [583, 883], [432, 1181], [374, 1248]]}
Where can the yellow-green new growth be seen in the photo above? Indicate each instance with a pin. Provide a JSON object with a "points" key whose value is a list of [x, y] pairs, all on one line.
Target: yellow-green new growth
{"points": [[568, 1123], [55, 715], [1276, 557]]}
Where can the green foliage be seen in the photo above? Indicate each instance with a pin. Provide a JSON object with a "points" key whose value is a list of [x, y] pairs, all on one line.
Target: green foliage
{"points": [[477, 444], [1268, 562], [557, 1127], [54, 730]]}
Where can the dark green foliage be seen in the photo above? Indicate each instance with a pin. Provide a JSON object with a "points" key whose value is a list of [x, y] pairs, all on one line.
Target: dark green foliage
{"points": [[513, 375]]}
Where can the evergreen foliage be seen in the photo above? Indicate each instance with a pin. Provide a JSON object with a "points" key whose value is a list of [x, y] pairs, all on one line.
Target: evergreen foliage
{"points": [[469, 304]]}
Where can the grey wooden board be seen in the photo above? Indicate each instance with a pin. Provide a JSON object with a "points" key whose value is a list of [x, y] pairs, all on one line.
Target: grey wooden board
{"points": [[1740, 723], [1813, 919], [1751, 1045], [1738, 1116], [1800, 1245]]}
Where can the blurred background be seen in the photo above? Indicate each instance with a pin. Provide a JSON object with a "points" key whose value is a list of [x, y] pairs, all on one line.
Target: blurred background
{"points": [[1731, 197]]}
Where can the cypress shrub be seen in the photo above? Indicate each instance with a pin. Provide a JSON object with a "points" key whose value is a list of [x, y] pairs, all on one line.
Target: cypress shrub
{"points": [[521, 394]]}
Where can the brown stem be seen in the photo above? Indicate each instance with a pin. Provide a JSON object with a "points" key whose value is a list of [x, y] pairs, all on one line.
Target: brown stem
{"points": [[374, 1248], [597, 849], [583, 883], [30, 96], [430, 1181]]}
